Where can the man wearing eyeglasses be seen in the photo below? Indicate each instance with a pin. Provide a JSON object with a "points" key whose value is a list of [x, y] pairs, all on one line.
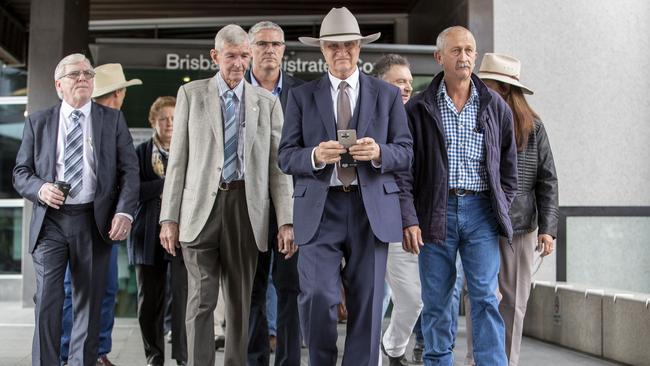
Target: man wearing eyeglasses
{"points": [[89, 147], [267, 40]]}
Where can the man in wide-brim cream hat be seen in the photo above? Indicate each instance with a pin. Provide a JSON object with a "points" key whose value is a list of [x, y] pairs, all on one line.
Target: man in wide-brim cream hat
{"points": [[111, 84], [343, 211]]}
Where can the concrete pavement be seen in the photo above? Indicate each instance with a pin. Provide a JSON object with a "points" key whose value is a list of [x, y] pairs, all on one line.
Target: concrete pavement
{"points": [[17, 327]]}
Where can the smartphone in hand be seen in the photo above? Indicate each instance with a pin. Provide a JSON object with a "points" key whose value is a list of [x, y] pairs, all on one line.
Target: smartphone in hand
{"points": [[347, 138]]}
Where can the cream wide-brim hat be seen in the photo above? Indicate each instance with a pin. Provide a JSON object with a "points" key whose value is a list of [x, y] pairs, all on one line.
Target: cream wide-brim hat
{"points": [[339, 25], [110, 77], [503, 68]]}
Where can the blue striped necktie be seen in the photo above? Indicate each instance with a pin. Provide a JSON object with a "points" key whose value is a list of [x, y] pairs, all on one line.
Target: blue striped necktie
{"points": [[73, 156], [230, 138]]}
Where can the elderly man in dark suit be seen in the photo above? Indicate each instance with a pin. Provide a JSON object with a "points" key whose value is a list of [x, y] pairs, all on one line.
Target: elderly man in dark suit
{"points": [[343, 211], [267, 44], [89, 147]]}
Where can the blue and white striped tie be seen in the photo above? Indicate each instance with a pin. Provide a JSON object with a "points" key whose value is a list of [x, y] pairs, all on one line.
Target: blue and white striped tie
{"points": [[73, 156], [230, 139]]}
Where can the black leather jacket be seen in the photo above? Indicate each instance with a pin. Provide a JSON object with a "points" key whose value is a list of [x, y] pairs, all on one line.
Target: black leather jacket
{"points": [[536, 202]]}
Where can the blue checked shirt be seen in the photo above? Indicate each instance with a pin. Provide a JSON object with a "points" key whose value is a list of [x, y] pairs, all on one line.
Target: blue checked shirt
{"points": [[465, 143]]}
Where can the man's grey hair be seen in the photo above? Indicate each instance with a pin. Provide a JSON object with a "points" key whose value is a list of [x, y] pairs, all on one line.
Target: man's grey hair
{"points": [[72, 59], [385, 62], [442, 37], [259, 26], [231, 34]]}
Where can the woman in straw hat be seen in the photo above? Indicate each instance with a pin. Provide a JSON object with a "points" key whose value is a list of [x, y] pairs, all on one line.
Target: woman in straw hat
{"points": [[534, 212]]}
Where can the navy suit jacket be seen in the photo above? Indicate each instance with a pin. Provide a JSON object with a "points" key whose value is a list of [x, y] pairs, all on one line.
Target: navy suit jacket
{"points": [[116, 165], [309, 120]]}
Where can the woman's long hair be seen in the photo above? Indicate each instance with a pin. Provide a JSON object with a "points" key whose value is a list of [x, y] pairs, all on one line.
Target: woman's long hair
{"points": [[524, 115]]}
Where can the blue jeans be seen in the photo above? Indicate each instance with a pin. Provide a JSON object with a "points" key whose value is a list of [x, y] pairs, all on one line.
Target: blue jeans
{"points": [[455, 303], [108, 310], [472, 231]]}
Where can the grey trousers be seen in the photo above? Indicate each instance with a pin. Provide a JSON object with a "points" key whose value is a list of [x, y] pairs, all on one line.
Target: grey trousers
{"points": [[515, 278], [69, 235], [225, 249]]}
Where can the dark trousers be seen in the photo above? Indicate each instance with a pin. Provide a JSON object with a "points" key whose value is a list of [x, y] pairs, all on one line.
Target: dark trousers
{"points": [[69, 235], [108, 310], [286, 282], [344, 233], [225, 249], [152, 282]]}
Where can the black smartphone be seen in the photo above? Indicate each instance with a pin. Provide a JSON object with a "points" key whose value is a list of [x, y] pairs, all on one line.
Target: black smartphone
{"points": [[347, 138], [63, 187]]}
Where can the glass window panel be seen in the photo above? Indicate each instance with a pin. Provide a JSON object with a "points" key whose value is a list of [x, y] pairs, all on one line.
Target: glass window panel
{"points": [[11, 221], [609, 252], [13, 82]]}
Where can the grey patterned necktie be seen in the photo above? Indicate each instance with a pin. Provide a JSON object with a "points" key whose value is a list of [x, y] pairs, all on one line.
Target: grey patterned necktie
{"points": [[346, 175], [73, 154], [230, 138]]}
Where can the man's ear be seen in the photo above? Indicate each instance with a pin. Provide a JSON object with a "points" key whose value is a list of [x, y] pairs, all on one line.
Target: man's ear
{"points": [[437, 57], [213, 56]]}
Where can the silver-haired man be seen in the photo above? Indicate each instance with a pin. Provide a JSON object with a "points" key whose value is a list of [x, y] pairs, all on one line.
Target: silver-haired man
{"points": [[221, 177]]}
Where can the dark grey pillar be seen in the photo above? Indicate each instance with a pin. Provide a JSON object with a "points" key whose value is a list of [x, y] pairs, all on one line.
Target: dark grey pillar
{"points": [[57, 28]]}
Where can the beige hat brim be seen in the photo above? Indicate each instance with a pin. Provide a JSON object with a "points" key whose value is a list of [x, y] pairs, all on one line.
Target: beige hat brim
{"points": [[311, 41], [504, 79], [113, 87]]}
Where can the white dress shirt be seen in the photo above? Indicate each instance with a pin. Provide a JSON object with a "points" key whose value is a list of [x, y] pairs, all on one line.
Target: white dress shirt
{"points": [[87, 193]]}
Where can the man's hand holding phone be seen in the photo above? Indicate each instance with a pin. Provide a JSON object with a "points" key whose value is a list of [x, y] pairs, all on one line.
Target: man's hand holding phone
{"points": [[366, 149], [328, 152]]}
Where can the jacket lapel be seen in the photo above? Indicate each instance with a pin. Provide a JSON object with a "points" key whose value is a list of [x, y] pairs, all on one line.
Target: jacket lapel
{"points": [[53, 135], [96, 141], [367, 99], [212, 110], [251, 116], [323, 98]]}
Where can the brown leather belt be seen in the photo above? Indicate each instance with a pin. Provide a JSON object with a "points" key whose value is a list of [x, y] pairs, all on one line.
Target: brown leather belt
{"points": [[229, 186], [460, 192], [352, 188]]}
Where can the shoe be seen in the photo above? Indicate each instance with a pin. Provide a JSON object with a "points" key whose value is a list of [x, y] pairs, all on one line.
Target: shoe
{"points": [[219, 342], [397, 361], [273, 342], [394, 361], [104, 361], [418, 349]]}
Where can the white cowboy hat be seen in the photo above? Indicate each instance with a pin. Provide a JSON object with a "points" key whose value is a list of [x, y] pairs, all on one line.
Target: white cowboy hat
{"points": [[339, 25], [502, 68], [110, 77]]}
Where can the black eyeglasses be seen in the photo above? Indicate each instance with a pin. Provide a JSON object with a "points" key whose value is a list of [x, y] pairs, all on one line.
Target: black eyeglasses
{"points": [[88, 74], [264, 44]]}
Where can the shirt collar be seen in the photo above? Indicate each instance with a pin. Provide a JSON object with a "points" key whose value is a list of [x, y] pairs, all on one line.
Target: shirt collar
{"points": [[223, 87], [352, 80], [473, 94], [278, 86], [67, 109]]}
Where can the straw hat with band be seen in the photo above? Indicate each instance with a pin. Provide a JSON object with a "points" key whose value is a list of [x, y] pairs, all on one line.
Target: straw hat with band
{"points": [[339, 25], [110, 77], [503, 68]]}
